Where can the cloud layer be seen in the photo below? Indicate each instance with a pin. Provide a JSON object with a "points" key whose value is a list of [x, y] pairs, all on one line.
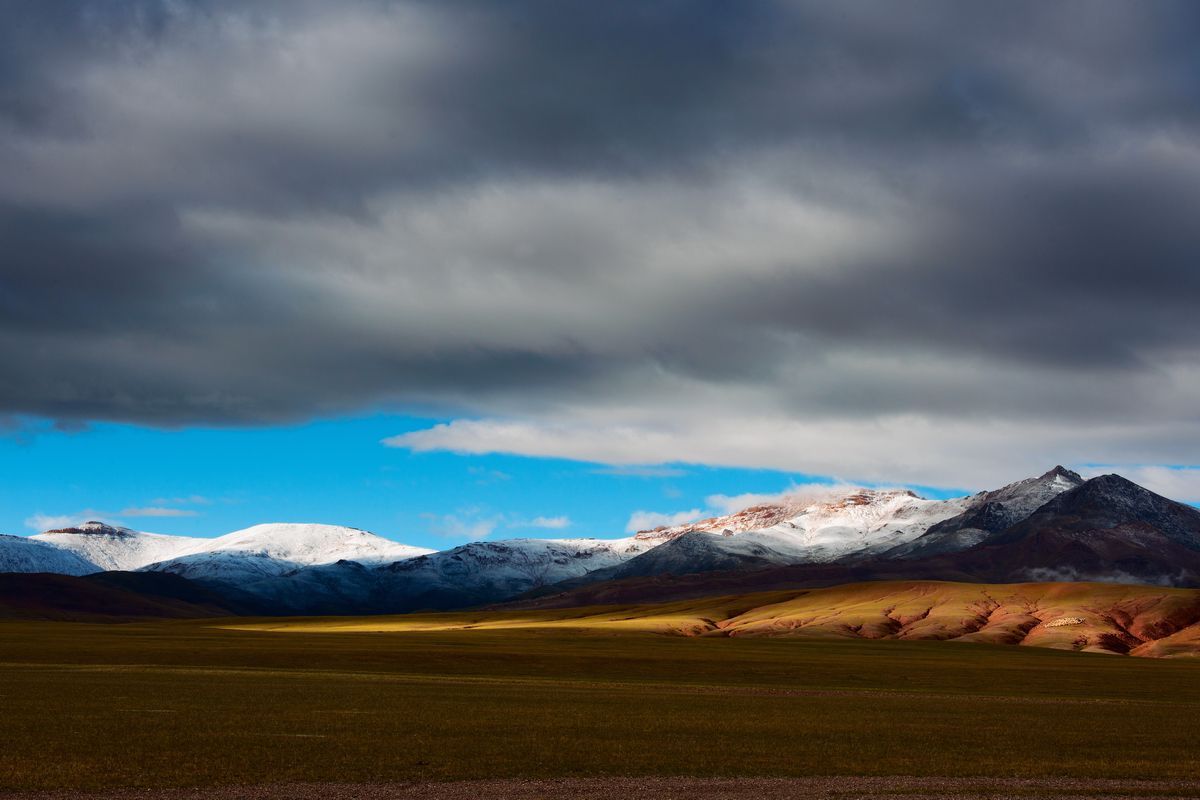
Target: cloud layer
{"points": [[949, 246]]}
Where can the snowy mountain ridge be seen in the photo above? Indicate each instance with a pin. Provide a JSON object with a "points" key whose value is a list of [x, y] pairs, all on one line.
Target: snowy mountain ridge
{"points": [[268, 549], [989, 512], [273, 549], [111, 547], [312, 567], [24, 554], [518, 563], [827, 526], [812, 525]]}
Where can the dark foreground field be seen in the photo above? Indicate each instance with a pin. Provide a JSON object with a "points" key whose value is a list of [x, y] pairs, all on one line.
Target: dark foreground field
{"points": [[174, 704]]}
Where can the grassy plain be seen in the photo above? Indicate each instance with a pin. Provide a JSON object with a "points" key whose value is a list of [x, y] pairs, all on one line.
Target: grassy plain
{"points": [[192, 703]]}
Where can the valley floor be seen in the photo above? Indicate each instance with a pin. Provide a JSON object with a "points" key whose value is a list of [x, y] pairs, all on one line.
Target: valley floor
{"points": [[106, 707]]}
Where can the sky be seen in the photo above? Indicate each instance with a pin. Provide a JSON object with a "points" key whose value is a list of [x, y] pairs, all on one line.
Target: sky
{"points": [[293, 260], [209, 481]]}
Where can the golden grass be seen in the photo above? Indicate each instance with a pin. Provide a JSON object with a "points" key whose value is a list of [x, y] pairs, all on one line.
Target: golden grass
{"points": [[689, 617], [1102, 617]]}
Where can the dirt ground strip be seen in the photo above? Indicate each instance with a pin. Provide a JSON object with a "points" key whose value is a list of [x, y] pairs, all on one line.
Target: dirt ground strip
{"points": [[843, 788]]}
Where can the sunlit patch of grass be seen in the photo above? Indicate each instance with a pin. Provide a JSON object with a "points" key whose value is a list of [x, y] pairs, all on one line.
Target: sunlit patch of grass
{"points": [[1103, 617], [690, 617]]}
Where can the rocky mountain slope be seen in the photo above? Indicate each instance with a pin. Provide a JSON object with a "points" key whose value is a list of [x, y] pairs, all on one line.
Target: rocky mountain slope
{"points": [[850, 525], [1107, 528], [475, 573], [989, 512], [483, 571], [24, 554]]}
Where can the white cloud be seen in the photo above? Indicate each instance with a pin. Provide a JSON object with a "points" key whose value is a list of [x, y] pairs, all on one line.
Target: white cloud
{"points": [[642, 471], [189, 500], [729, 504], [646, 520], [158, 511], [472, 524], [796, 494], [158, 507], [552, 523], [466, 525], [904, 450], [46, 522]]}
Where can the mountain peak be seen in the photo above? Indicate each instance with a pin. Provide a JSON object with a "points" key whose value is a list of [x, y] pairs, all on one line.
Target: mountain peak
{"points": [[1117, 499], [1062, 472], [1111, 483]]}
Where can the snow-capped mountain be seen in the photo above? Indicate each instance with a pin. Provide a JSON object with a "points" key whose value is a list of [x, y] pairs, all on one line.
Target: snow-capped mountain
{"points": [[827, 526], [700, 551], [990, 512], [246, 555], [472, 574], [110, 547], [278, 548], [1107, 528], [23, 554], [1056, 524], [837, 525]]}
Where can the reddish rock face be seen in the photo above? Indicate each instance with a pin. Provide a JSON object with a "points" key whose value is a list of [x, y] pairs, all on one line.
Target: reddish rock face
{"points": [[768, 515], [753, 518]]}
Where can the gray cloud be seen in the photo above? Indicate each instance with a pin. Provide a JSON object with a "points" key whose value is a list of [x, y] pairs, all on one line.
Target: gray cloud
{"points": [[577, 218]]}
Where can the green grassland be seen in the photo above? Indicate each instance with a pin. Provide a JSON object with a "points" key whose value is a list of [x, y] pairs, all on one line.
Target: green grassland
{"points": [[194, 703]]}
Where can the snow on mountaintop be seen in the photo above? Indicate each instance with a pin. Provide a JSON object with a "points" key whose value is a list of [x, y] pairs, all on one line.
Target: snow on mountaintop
{"points": [[827, 525], [491, 570], [307, 544], [23, 554], [275, 549], [990, 512], [94, 527], [111, 547], [810, 525], [1022, 498], [748, 519]]}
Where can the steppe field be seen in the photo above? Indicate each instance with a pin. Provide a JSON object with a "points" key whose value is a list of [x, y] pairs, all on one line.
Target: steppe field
{"points": [[556, 710]]}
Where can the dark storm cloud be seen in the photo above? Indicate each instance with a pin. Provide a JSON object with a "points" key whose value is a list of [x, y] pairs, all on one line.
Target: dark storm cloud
{"points": [[1070, 265], [228, 212]]}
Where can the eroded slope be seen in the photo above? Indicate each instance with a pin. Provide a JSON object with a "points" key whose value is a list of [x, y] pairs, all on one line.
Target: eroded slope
{"points": [[1093, 617]]}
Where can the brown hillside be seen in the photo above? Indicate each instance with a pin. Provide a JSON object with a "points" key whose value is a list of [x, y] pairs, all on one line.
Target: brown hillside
{"points": [[1093, 617]]}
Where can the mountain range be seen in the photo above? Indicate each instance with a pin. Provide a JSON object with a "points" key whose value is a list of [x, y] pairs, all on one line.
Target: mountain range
{"points": [[1053, 527]]}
